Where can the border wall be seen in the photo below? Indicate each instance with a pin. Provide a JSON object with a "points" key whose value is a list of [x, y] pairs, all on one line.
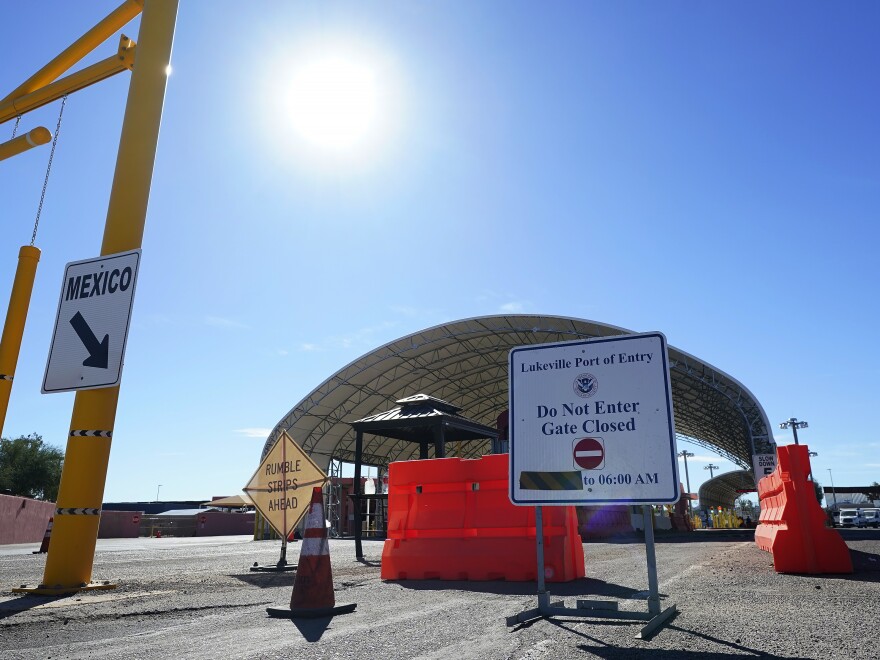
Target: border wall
{"points": [[23, 520]]}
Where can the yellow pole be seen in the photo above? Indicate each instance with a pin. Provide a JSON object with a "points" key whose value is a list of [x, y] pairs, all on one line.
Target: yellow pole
{"points": [[16, 315], [72, 551], [36, 137], [79, 48], [83, 78]]}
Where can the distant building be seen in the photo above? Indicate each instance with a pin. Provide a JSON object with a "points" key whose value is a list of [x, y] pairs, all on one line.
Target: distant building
{"points": [[849, 496]]}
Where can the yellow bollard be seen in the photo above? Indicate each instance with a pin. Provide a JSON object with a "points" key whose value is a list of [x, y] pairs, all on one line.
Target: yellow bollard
{"points": [[16, 315]]}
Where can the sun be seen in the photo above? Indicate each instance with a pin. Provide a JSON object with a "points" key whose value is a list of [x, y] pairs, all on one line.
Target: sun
{"points": [[333, 102]]}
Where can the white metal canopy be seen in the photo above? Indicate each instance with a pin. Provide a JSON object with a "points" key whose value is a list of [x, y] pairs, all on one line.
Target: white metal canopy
{"points": [[726, 488], [465, 362]]}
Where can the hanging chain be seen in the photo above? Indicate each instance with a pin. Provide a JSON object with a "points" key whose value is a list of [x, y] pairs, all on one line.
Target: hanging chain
{"points": [[48, 169], [15, 128]]}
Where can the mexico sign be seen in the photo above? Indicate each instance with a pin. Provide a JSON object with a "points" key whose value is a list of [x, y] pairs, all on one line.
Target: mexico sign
{"points": [[591, 423], [91, 326]]}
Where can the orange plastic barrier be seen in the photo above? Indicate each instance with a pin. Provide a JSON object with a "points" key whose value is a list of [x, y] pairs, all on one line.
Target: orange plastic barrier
{"points": [[451, 519], [792, 524]]}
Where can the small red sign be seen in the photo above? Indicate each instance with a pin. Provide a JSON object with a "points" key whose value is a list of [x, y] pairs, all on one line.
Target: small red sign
{"points": [[135, 519], [589, 453], [203, 519]]}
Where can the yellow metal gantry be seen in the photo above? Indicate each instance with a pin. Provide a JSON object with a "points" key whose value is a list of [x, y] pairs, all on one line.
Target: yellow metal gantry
{"points": [[33, 138], [72, 547]]}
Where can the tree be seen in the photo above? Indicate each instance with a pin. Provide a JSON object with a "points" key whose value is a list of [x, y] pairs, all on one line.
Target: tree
{"points": [[820, 494], [30, 468], [746, 507]]}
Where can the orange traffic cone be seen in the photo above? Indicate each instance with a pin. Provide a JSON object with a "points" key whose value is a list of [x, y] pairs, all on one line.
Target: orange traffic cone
{"points": [[44, 546], [313, 588]]}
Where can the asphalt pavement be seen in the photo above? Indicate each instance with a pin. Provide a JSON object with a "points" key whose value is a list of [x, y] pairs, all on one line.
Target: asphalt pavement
{"points": [[196, 598]]}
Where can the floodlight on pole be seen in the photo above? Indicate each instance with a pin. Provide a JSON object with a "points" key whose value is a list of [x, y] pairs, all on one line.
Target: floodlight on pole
{"points": [[795, 425], [811, 454], [157, 491], [711, 469], [684, 453]]}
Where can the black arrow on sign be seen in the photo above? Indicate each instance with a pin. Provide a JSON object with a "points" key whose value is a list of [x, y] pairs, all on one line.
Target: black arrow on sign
{"points": [[98, 351]]}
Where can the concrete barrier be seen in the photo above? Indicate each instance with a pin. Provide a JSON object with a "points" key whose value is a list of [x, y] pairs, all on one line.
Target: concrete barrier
{"points": [[120, 524], [204, 523], [23, 520], [221, 523]]}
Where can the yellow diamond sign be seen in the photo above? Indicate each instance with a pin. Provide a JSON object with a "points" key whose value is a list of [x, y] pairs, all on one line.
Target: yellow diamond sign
{"points": [[281, 488]]}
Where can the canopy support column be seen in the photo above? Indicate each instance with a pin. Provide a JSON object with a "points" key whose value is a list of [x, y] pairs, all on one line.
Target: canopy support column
{"points": [[356, 491], [440, 441]]}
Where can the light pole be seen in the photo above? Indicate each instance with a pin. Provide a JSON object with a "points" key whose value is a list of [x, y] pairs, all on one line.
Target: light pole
{"points": [[811, 454], [684, 453], [833, 493], [795, 425], [711, 469], [157, 491]]}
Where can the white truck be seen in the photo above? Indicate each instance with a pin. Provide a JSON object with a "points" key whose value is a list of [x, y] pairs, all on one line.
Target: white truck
{"points": [[852, 518], [872, 517]]}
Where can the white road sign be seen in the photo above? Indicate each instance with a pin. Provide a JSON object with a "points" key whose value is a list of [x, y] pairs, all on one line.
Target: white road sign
{"points": [[91, 328], [764, 465], [591, 423]]}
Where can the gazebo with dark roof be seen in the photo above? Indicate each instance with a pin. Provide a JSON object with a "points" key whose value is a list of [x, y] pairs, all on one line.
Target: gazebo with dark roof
{"points": [[421, 419]]}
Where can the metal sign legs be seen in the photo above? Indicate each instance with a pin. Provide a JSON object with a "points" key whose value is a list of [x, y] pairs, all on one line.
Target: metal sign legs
{"points": [[282, 564], [600, 609]]}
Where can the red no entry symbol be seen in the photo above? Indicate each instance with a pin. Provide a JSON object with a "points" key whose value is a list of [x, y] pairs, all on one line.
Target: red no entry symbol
{"points": [[589, 454]]}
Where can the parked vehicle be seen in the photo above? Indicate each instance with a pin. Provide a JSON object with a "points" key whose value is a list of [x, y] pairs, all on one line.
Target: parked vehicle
{"points": [[852, 518], [872, 517]]}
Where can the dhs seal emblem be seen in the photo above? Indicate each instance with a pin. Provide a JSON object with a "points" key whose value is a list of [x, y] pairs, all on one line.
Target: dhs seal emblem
{"points": [[585, 385]]}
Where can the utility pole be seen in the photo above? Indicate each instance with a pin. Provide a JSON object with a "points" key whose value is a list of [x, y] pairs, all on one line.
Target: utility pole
{"points": [[711, 469], [684, 453], [833, 492], [795, 425]]}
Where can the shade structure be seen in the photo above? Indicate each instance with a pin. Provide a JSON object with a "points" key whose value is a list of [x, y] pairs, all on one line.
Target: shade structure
{"points": [[465, 363], [420, 419], [725, 489], [232, 501]]}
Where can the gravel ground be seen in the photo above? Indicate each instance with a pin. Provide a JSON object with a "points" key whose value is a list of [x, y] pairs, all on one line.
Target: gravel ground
{"points": [[195, 598]]}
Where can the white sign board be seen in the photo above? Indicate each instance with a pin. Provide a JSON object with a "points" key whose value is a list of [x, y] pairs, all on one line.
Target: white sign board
{"points": [[764, 465], [591, 423], [91, 327]]}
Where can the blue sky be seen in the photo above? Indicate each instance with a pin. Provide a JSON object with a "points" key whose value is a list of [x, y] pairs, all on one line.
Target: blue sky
{"points": [[708, 170]]}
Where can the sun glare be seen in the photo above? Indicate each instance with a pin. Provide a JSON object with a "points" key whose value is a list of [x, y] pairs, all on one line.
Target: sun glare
{"points": [[333, 102]]}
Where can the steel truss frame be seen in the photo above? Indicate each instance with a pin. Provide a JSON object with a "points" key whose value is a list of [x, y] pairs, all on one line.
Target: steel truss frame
{"points": [[465, 362]]}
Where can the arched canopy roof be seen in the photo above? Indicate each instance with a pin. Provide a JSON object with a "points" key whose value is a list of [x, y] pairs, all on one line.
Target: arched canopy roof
{"points": [[726, 488], [465, 362]]}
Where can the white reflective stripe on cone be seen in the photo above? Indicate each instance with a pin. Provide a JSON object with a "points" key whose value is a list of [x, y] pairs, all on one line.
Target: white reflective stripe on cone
{"points": [[314, 547], [315, 517]]}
